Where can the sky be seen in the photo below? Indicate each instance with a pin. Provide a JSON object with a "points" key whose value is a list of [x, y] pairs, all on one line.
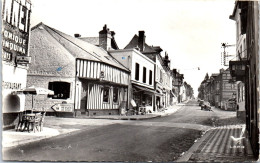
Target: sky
{"points": [[190, 31]]}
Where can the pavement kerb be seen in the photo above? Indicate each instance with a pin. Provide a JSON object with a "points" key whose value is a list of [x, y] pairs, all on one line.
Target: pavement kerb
{"points": [[186, 156], [35, 139], [31, 140], [136, 118], [27, 141]]}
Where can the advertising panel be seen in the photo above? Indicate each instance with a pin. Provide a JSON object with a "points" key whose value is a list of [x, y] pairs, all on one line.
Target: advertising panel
{"points": [[15, 55]]}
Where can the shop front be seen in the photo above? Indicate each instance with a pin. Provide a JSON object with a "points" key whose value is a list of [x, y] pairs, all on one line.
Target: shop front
{"points": [[102, 90], [102, 98], [15, 57], [143, 98], [160, 97]]}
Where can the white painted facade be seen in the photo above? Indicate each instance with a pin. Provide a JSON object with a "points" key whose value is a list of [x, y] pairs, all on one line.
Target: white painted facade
{"points": [[163, 81], [129, 58]]}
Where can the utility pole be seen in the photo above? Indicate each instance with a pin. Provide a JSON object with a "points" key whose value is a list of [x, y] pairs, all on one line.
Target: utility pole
{"points": [[224, 54]]}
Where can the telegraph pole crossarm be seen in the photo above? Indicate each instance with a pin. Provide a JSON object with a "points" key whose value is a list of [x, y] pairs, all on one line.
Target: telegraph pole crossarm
{"points": [[225, 55]]}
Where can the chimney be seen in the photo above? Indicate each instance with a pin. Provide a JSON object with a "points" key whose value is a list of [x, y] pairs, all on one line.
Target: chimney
{"points": [[166, 60], [113, 33], [141, 40], [221, 71], [77, 35], [105, 37]]}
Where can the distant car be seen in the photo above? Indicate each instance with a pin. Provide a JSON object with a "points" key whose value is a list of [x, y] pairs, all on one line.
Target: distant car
{"points": [[201, 102], [206, 106]]}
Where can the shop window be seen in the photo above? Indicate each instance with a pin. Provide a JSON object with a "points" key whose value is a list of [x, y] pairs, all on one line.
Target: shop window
{"points": [[115, 95], [150, 77], [144, 74], [137, 66], [61, 90], [106, 94], [217, 86], [224, 76]]}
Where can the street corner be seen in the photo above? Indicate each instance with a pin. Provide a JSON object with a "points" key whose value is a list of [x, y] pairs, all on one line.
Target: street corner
{"points": [[12, 137]]}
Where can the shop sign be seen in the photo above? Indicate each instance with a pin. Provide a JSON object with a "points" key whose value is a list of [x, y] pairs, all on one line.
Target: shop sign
{"points": [[14, 43], [7, 56], [102, 74], [11, 85], [23, 59], [63, 107]]}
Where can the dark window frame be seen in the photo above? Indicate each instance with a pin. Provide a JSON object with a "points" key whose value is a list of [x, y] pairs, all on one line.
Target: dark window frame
{"points": [[61, 89], [144, 74], [105, 94], [137, 69], [115, 95], [150, 77]]}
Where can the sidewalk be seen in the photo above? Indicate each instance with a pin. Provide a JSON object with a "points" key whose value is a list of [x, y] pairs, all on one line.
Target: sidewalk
{"points": [[55, 126], [217, 145], [167, 111]]}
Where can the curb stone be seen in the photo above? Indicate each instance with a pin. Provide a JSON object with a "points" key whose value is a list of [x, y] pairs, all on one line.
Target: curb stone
{"points": [[186, 156], [17, 143]]}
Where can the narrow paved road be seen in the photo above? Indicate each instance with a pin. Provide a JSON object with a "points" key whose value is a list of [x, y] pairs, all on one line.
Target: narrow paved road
{"points": [[159, 139]]}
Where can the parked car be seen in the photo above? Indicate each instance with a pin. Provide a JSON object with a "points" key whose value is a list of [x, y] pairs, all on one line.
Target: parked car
{"points": [[206, 106], [201, 102]]}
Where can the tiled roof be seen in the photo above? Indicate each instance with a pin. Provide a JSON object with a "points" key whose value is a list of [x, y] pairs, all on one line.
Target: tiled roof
{"points": [[46, 54], [91, 40], [81, 49], [214, 74], [134, 43]]}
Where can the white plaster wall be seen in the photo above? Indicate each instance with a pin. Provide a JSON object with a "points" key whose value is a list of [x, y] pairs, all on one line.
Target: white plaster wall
{"points": [[143, 61], [13, 75]]}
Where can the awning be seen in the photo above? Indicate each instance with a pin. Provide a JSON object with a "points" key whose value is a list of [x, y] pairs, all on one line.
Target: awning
{"points": [[159, 93], [173, 95], [139, 89]]}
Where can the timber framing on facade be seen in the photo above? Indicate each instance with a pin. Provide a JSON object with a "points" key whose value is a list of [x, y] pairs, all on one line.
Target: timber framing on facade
{"points": [[96, 83]]}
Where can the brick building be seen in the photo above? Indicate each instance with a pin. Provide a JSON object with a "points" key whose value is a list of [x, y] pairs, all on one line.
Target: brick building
{"points": [[219, 90], [85, 78]]}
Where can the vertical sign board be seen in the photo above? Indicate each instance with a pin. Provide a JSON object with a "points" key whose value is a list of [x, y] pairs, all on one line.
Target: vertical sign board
{"points": [[15, 56]]}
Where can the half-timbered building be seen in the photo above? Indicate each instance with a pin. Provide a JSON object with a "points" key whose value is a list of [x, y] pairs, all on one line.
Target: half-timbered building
{"points": [[85, 78]]}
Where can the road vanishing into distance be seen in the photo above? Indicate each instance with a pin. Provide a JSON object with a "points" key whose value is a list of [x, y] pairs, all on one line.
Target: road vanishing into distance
{"points": [[158, 139]]}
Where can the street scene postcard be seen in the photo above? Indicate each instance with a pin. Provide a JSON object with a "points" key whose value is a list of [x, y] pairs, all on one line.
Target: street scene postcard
{"points": [[130, 80]]}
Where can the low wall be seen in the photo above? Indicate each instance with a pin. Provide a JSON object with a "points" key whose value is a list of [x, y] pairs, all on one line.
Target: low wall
{"points": [[103, 112], [241, 115]]}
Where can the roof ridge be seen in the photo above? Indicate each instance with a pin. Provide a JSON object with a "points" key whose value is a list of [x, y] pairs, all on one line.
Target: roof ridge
{"points": [[118, 61], [91, 54], [54, 30]]}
